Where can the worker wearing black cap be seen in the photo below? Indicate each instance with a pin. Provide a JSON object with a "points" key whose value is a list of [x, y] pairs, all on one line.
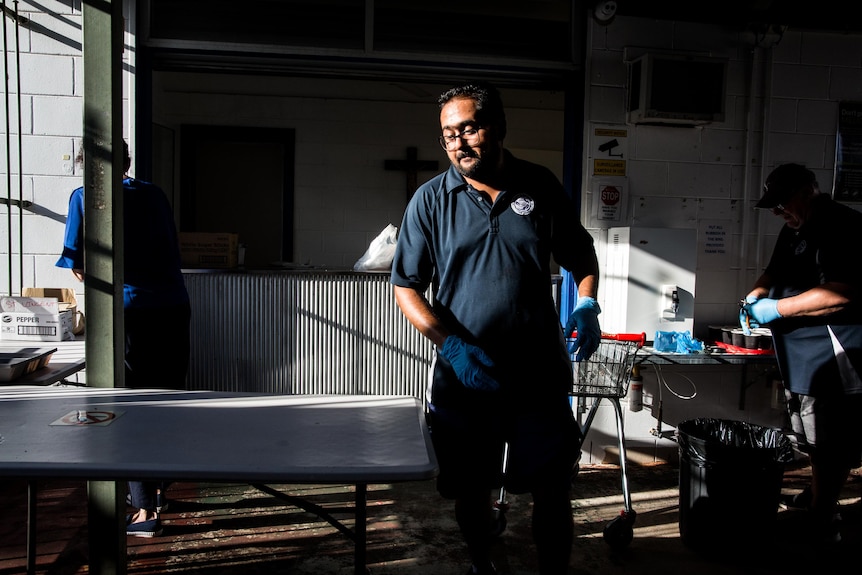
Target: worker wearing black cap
{"points": [[809, 295]]}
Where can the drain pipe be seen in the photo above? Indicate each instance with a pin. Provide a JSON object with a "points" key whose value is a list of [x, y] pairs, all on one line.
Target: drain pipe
{"points": [[764, 146], [742, 279], [763, 57]]}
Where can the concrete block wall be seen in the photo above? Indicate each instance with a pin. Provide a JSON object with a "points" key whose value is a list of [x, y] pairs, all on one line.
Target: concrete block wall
{"points": [[45, 119]]}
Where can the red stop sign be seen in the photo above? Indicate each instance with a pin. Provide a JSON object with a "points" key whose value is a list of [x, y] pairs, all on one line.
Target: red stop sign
{"points": [[610, 195]]}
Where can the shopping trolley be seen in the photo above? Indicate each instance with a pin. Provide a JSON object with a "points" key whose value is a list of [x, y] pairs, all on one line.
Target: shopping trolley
{"points": [[605, 375]]}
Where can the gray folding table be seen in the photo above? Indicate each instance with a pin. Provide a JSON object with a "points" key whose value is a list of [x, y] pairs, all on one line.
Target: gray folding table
{"points": [[102, 434]]}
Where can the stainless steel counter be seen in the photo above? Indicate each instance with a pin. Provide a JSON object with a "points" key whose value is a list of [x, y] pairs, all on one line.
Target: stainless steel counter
{"points": [[648, 356]]}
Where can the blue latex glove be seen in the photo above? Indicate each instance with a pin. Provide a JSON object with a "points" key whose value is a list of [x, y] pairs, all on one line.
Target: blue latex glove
{"points": [[761, 311], [470, 363], [585, 320]]}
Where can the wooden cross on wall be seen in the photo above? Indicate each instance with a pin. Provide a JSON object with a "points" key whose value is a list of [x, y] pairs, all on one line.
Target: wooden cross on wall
{"points": [[412, 166]]}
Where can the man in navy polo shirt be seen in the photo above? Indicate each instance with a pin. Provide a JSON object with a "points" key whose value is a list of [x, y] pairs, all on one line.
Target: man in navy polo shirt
{"points": [[481, 235], [809, 295]]}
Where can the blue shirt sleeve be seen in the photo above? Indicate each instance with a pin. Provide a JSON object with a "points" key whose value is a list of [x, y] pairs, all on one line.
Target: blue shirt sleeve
{"points": [[73, 249]]}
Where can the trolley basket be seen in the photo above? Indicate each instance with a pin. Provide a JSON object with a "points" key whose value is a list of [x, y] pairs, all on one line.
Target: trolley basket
{"points": [[606, 373]]}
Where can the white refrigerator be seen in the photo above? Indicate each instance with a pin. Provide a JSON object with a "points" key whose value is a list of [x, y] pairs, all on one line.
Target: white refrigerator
{"points": [[648, 280]]}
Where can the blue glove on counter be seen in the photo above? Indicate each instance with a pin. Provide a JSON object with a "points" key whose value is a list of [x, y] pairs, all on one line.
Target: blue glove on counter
{"points": [[762, 311], [470, 364], [584, 320]]}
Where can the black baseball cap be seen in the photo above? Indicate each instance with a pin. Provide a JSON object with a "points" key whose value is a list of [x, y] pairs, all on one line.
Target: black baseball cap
{"points": [[783, 182]]}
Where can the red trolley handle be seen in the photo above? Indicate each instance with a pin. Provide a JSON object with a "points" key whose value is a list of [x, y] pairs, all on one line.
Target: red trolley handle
{"points": [[640, 338]]}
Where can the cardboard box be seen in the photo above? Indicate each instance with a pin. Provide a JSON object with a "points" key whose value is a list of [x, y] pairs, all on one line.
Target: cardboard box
{"points": [[34, 319], [66, 300], [208, 250], [34, 305]]}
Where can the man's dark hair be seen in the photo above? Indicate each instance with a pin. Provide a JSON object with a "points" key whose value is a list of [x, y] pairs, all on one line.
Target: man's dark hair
{"points": [[127, 158], [489, 104]]}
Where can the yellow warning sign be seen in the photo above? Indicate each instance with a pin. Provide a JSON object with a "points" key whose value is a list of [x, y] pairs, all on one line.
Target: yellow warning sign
{"points": [[609, 167], [610, 133]]}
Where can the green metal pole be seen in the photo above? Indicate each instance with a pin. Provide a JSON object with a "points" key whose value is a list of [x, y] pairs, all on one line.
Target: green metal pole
{"points": [[103, 249]]}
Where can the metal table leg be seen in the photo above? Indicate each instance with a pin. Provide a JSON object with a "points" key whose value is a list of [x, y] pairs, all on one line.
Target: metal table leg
{"points": [[31, 528]]}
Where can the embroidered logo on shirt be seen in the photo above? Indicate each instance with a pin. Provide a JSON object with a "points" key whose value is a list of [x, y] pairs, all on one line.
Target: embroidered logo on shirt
{"points": [[523, 205], [800, 248]]}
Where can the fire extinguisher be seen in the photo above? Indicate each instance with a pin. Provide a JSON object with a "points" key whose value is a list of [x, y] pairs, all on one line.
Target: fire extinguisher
{"points": [[636, 390]]}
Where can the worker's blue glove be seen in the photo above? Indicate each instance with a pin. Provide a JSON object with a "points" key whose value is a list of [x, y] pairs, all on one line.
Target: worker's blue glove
{"points": [[762, 311], [470, 363], [585, 320]]}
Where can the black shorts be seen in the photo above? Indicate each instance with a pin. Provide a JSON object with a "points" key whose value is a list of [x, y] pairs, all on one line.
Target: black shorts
{"points": [[543, 447]]}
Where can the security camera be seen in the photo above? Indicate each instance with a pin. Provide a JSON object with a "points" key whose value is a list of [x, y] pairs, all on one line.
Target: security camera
{"points": [[609, 145], [605, 11]]}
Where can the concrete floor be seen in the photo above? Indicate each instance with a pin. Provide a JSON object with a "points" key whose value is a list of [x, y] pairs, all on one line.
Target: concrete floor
{"points": [[218, 529]]}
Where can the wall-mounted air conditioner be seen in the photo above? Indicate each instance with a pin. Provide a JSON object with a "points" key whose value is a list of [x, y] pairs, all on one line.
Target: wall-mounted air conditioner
{"points": [[676, 89]]}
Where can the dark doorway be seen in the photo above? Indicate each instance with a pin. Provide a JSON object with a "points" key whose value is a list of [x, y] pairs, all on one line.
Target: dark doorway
{"points": [[240, 180]]}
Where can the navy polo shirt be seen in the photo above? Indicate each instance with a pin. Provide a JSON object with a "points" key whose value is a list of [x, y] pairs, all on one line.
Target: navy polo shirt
{"points": [[820, 251], [489, 267]]}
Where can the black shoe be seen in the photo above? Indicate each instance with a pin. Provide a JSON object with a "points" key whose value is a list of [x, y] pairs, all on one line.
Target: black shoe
{"points": [[147, 529]]}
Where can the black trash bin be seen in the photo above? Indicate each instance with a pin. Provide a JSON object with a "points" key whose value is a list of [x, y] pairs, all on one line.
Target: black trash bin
{"points": [[730, 475]]}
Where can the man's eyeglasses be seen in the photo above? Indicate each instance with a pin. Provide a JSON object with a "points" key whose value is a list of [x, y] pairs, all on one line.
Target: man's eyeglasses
{"points": [[778, 209], [450, 141]]}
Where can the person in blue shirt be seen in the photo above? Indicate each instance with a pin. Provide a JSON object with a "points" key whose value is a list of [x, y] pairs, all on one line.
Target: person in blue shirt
{"points": [[482, 236], [156, 309], [809, 296]]}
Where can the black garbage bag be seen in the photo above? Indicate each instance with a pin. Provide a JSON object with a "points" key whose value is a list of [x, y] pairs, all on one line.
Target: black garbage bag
{"points": [[729, 482]]}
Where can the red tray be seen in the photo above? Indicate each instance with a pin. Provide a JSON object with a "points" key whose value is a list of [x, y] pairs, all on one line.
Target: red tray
{"points": [[736, 349]]}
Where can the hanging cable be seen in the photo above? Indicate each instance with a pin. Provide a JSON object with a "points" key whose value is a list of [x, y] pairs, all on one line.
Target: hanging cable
{"points": [[20, 160], [662, 382], [19, 202], [8, 148]]}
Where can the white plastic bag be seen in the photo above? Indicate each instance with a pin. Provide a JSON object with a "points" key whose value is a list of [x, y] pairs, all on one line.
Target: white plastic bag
{"points": [[378, 256]]}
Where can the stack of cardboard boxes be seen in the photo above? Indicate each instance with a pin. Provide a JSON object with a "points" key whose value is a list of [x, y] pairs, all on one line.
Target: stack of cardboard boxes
{"points": [[40, 314], [209, 250]]}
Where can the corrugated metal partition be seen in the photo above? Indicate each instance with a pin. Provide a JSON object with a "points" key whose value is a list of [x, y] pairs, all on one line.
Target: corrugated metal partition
{"points": [[303, 332]]}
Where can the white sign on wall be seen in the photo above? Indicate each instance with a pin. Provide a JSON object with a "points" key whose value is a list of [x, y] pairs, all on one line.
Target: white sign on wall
{"points": [[714, 244], [609, 150], [609, 199]]}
